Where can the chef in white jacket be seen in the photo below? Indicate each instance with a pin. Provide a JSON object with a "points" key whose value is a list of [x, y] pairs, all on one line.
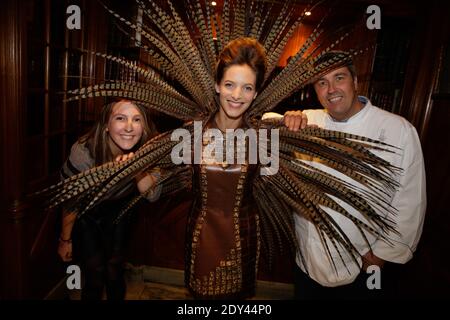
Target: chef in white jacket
{"points": [[316, 277]]}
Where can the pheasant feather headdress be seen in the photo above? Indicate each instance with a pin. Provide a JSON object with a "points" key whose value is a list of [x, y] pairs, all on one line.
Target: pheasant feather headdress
{"points": [[183, 45]]}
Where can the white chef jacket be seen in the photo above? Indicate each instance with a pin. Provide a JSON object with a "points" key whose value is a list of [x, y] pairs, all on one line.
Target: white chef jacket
{"points": [[409, 199]]}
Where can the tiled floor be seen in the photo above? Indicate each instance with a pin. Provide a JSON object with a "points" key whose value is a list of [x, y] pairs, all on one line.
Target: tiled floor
{"points": [[156, 291], [152, 283]]}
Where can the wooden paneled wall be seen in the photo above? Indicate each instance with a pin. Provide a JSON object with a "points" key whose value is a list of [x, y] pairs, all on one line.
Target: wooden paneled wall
{"points": [[29, 265], [12, 64], [426, 104]]}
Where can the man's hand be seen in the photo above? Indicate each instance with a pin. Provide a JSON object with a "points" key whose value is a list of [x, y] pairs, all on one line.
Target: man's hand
{"points": [[295, 120], [65, 250], [370, 259]]}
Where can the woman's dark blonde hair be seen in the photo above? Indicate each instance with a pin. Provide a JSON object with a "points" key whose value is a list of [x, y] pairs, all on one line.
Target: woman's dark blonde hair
{"points": [[97, 138]]}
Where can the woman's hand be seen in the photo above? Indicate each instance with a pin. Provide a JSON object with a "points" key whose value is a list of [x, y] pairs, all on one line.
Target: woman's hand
{"points": [[65, 238], [145, 181], [65, 250], [124, 157]]}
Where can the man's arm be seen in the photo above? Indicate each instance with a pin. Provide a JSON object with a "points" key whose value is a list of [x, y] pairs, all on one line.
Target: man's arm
{"points": [[410, 202]]}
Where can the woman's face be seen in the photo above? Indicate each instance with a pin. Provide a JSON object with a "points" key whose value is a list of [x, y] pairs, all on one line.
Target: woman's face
{"points": [[236, 90], [125, 126]]}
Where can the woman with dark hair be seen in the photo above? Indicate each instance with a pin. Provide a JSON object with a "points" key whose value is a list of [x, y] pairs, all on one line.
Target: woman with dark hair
{"points": [[222, 244], [98, 239]]}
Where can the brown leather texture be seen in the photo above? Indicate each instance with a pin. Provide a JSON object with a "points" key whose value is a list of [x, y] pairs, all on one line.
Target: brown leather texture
{"points": [[223, 233]]}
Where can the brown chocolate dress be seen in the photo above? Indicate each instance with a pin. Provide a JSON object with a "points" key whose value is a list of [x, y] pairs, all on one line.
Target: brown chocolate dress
{"points": [[223, 232]]}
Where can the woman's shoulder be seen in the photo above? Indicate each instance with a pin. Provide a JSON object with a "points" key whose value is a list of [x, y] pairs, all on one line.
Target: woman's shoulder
{"points": [[80, 158]]}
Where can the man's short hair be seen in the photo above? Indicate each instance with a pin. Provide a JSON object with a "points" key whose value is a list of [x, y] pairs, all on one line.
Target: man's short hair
{"points": [[332, 60]]}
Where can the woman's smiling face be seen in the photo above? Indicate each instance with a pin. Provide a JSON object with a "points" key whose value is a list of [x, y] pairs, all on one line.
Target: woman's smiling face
{"points": [[125, 126], [236, 90]]}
